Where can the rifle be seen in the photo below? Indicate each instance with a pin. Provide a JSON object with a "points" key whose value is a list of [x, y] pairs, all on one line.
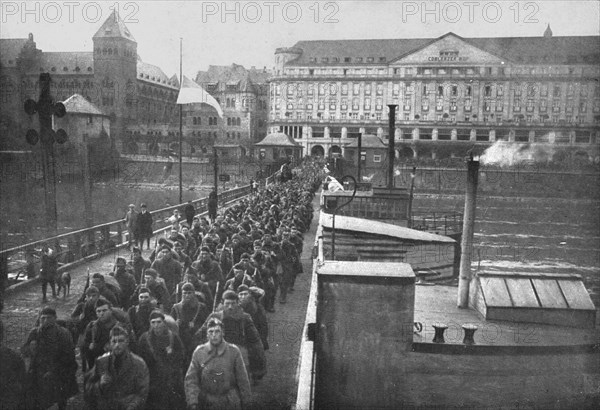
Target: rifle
{"points": [[87, 285], [216, 297]]}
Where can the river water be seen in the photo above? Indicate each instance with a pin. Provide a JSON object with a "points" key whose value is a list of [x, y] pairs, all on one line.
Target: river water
{"points": [[531, 234]]}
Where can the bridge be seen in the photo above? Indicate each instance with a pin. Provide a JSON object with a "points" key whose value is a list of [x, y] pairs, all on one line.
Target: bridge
{"points": [[23, 298]]}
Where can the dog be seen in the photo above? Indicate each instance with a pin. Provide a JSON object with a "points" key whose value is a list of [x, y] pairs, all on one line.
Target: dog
{"points": [[64, 283]]}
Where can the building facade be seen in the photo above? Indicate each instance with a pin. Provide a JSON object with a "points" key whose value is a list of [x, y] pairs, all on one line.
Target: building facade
{"points": [[243, 96], [138, 97], [452, 93]]}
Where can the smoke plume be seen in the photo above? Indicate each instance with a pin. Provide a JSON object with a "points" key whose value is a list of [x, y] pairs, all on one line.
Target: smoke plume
{"points": [[506, 154]]}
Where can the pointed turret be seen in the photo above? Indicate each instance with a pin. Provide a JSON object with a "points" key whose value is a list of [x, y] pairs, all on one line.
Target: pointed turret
{"points": [[548, 32], [114, 27], [115, 71]]}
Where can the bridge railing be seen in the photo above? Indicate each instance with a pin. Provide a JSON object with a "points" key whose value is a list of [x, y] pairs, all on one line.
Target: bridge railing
{"points": [[306, 369], [79, 246], [442, 223]]}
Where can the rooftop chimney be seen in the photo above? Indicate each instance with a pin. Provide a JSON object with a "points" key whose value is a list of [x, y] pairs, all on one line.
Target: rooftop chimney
{"points": [[464, 277], [548, 32]]}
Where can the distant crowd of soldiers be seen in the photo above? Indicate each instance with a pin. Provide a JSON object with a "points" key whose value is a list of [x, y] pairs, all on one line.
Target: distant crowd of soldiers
{"points": [[184, 328]]}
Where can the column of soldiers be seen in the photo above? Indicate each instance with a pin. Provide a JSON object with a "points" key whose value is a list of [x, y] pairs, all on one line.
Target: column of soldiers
{"points": [[188, 327]]}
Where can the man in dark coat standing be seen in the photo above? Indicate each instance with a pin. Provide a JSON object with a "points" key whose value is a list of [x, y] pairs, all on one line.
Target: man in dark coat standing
{"points": [[144, 227], [51, 376], [49, 271], [212, 205], [189, 211]]}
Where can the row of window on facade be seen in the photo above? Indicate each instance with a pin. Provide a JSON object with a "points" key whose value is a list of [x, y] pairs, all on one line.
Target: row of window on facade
{"points": [[489, 90], [444, 71], [441, 104], [208, 135], [109, 51], [424, 116], [246, 103], [231, 121], [464, 134], [65, 69]]}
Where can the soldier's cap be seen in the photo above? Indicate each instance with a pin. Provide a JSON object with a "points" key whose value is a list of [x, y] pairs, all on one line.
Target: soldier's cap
{"points": [[143, 290], [163, 241], [143, 205], [151, 272], [243, 288], [258, 242], [157, 314], [131, 205], [205, 249], [166, 246], [119, 330], [230, 295], [188, 287], [48, 311], [214, 322], [245, 256], [136, 250], [92, 290], [121, 261], [102, 302]]}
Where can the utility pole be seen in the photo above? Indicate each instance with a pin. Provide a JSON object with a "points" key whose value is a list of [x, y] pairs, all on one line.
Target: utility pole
{"points": [[180, 125], [45, 107], [216, 170], [391, 150]]}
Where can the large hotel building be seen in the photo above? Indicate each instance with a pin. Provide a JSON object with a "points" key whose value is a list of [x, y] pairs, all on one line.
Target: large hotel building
{"points": [[452, 93]]}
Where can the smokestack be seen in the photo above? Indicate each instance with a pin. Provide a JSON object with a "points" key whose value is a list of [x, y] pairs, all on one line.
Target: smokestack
{"points": [[464, 277], [391, 150]]}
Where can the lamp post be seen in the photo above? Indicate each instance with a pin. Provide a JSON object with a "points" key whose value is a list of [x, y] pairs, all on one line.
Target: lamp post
{"points": [[45, 107]]}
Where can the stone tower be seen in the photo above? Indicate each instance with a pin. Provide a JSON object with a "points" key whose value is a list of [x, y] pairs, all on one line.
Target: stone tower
{"points": [[115, 72]]}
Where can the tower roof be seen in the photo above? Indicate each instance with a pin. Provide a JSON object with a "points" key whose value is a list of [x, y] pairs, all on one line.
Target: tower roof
{"points": [[114, 27], [278, 139], [77, 104]]}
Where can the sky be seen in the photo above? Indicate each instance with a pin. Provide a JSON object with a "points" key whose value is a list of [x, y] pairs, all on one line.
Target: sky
{"points": [[248, 32]]}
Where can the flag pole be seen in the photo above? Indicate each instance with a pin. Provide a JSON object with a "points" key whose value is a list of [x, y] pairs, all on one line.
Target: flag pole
{"points": [[180, 121]]}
